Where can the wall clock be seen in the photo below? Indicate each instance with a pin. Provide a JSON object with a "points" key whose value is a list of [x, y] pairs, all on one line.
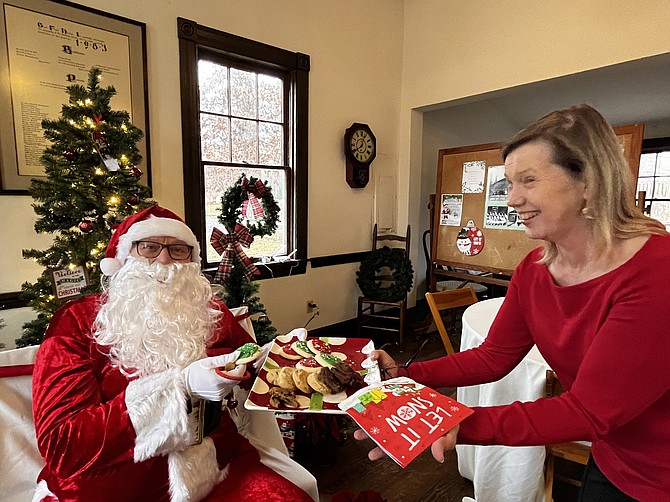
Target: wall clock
{"points": [[360, 149]]}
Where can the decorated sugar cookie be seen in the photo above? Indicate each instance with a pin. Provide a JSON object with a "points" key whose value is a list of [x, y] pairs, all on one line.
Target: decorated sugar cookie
{"points": [[327, 360], [248, 352], [317, 346], [302, 348], [308, 364]]}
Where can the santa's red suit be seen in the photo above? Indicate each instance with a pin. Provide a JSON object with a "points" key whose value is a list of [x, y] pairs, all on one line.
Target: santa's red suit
{"points": [[107, 437]]}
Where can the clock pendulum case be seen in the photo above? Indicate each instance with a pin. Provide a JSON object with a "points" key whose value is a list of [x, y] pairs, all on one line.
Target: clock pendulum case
{"points": [[360, 149]]}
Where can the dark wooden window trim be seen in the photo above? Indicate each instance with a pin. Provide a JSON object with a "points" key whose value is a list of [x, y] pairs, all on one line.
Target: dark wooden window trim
{"points": [[194, 38]]}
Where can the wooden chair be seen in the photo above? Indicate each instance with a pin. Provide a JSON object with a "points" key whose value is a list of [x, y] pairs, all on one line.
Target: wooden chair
{"points": [[385, 320], [573, 451], [449, 299]]}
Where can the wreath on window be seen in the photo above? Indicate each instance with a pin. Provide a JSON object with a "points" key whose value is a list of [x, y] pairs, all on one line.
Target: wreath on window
{"points": [[249, 202], [391, 288]]}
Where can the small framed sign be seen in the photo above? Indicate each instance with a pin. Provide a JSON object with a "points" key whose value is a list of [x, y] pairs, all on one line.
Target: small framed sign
{"points": [[68, 282]]}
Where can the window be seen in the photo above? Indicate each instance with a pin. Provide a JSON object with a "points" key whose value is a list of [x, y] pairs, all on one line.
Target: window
{"points": [[244, 111], [654, 179]]}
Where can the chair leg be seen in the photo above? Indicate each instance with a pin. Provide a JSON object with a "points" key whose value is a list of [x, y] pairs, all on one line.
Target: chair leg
{"points": [[549, 478], [359, 318], [401, 331]]}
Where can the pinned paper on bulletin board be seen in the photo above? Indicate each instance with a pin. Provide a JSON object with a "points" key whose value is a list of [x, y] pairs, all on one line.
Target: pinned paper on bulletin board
{"points": [[451, 208], [473, 176], [470, 239]]}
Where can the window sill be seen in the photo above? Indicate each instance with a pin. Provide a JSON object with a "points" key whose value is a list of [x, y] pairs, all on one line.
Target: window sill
{"points": [[271, 270]]}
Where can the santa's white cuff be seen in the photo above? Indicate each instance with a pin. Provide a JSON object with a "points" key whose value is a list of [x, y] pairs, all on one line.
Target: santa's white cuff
{"points": [[157, 409], [194, 472]]}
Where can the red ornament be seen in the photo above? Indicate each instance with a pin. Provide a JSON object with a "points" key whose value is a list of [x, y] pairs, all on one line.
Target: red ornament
{"points": [[71, 155], [86, 226], [136, 171], [134, 199]]}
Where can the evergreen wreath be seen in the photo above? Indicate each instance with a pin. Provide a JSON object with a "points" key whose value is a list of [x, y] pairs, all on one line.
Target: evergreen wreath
{"points": [[231, 209], [402, 274]]}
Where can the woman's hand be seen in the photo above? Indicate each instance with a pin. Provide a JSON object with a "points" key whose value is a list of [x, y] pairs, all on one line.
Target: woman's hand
{"points": [[445, 443], [387, 365]]}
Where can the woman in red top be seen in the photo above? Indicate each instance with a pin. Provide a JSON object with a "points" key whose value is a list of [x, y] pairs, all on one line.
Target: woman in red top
{"points": [[593, 300]]}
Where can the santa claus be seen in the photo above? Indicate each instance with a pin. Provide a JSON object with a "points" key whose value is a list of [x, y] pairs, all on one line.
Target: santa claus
{"points": [[121, 377]]}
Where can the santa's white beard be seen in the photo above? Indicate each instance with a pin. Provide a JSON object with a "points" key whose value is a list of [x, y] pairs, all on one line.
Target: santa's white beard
{"points": [[155, 317]]}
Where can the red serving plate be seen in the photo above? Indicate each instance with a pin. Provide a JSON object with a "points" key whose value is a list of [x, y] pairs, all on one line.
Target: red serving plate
{"points": [[353, 350]]}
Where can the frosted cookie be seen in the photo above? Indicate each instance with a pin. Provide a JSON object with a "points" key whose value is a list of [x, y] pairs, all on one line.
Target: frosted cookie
{"points": [[327, 360], [302, 348], [317, 346], [308, 364], [288, 353], [300, 380], [248, 352]]}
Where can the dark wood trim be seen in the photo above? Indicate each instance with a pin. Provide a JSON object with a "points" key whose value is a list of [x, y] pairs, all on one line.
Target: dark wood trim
{"points": [[337, 259], [194, 39], [653, 145], [12, 300]]}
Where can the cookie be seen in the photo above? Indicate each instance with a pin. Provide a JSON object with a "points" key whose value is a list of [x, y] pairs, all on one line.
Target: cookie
{"points": [[271, 376], [300, 380], [248, 352], [327, 360], [302, 348], [285, 379], [317, 346], [280, 398], [317, 384], [346, 374], [288, 353], [308, 364]]}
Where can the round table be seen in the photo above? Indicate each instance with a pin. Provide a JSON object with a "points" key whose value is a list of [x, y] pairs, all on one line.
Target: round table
{"points": [[512, 474]]}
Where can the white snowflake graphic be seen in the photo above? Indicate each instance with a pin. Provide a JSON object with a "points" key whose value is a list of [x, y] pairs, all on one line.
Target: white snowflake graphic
{"points": [[454, 408], [406, 413], [432, 394], [374, 431]]}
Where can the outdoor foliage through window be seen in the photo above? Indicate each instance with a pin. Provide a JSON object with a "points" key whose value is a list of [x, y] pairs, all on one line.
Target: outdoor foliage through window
{"points": [[242, 131]]}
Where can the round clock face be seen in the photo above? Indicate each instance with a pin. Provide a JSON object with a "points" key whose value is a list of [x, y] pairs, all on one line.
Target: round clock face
{"points": [[362, 145]]}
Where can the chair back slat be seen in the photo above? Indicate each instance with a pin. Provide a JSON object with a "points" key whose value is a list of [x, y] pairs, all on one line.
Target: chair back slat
{"points": [[446, 300]]}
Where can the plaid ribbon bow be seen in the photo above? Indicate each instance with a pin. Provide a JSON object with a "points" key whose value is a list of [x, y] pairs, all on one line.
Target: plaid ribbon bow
{"points": [[252, 193], [229, 246]]}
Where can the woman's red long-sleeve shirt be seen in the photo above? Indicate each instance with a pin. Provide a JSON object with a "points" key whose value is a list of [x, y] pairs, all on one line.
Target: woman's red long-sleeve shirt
{"points": [[608, 340]]}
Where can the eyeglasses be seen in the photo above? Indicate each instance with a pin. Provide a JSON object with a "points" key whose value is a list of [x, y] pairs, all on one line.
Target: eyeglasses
{"points": [[151, 249]]}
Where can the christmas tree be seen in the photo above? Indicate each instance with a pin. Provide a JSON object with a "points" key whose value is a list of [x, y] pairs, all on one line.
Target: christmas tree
{"points": [[247, 196], [91, 184]]}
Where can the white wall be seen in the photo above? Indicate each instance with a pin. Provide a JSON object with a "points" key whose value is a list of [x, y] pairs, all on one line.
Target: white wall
{"points": [[356, 64]]}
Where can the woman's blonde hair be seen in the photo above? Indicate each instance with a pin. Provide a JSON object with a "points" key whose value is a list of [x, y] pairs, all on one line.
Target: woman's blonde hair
{"points": [[584, 144]]}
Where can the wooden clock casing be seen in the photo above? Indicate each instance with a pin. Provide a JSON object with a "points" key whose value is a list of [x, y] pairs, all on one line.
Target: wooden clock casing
{"points": [[360, 149]]}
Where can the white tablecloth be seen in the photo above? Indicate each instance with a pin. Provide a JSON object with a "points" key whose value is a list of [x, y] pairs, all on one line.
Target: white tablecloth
{"points": [[512, 474]]}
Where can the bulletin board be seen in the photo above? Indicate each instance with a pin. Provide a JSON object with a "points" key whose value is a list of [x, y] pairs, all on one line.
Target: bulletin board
{"points": [[504, 247]]}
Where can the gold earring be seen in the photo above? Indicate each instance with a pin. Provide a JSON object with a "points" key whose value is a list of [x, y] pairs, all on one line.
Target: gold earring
{"points": [[586, 213]]}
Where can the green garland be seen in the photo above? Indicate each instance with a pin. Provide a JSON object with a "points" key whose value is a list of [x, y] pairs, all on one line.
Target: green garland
{"points": [[402, 274], [231, 209]]}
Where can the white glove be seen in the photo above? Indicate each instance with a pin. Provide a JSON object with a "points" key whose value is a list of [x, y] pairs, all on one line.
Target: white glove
{"points": [[202, 380]]}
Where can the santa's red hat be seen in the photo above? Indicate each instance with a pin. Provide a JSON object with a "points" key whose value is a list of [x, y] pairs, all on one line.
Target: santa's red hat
{"points": [[153, 221]]}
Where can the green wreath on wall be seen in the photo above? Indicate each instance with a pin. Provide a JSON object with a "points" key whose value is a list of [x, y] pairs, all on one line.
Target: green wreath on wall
{"points": [[399, 282]]}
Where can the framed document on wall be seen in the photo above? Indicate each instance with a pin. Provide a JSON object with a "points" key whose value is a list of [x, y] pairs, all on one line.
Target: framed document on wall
{"points": [[48, 46]]}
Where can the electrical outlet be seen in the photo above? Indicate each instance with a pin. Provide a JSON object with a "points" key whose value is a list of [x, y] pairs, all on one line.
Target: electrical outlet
{"points": [[311, 306]]}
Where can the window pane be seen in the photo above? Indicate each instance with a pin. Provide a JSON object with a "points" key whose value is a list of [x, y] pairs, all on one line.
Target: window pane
{"points": [[645, 185], [663, 164], [214, 138], [213, 86], [245, 141], [661, 211], [243, 94], [218, 180], [662, 188], [647, 164], [270, 98], [270, 143]]}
